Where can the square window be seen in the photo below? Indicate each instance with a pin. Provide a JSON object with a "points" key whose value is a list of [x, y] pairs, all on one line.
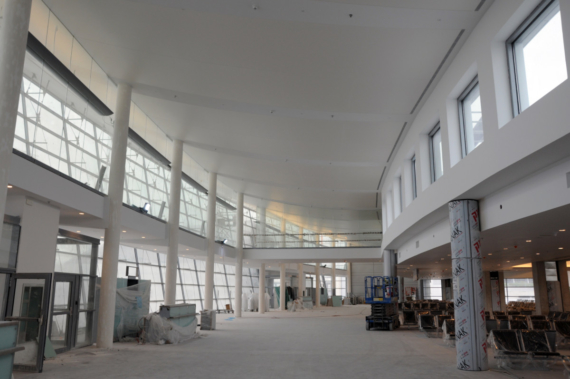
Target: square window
{"points": [[536, 56]]}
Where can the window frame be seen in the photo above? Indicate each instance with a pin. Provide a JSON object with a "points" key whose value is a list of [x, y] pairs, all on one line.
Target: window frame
{"points": [[460, 103], [414, 178], [531, 25], [431, 134]]}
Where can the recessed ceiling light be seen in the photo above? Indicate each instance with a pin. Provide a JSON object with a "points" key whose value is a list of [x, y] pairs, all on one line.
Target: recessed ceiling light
{"points": [[449, 255], [102, 236], [562, 230], [490, 254], [528, 240], [442, 259], [9, 186], [498, 264], [506, 248], [81, 213], [143, 237], [537, 253], [79, 231], [560, 248], [187, 249], [508, 261], [124, 231], [154, 249], [522, 257], [411, 265]]}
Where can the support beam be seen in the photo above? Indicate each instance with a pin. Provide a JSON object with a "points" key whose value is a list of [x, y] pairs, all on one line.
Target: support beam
{"points": [[318, 284], [262, 289], [467, 264], [564, 286], [239, 255], [301, 276], [211, 240], [540, 289], [173, 224], [113, 231], [282, 287], [13, 38], [333, 279]]}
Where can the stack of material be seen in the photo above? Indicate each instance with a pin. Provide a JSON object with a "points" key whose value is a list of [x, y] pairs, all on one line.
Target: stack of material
{"points": [[159, 330], [207, 320]]}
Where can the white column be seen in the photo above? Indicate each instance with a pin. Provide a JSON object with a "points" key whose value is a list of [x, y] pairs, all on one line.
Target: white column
{"points": [[113, 230], [301, 276], [261, 239], [318, 284], [282, 287], [333, 279], [173, 224], [239, 256], [387, 260], [211, 239], [564, 286], [348, 278], [13, 37], [262, 289], [540, 288]]}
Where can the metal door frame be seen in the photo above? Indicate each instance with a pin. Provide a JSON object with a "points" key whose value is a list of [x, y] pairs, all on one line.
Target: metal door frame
{"points": [[74, 294], [47, 277]]}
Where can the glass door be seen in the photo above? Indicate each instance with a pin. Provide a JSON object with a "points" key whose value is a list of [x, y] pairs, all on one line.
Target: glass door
{"points": [[64, 312], [28, 304]]}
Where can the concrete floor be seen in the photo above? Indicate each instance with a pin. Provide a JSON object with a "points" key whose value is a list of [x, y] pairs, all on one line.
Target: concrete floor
{"points": [[326, 343]]}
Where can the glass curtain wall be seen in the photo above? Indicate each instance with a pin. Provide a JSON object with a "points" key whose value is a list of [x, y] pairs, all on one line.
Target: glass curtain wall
{"points": [[432, 289]]}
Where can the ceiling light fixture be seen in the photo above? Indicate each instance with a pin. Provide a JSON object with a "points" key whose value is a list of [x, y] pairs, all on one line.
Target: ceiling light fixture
{"points": [[10, 186], [506, 248], [124, 231], [79, 231], [528, 240], [537, 253], [522, 257], [508, 261], [560, 248], [490, 254], [562, 230]]}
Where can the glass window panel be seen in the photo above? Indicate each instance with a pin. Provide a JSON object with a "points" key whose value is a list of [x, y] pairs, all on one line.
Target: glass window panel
{"points": [[436, 155], [472, 120]]}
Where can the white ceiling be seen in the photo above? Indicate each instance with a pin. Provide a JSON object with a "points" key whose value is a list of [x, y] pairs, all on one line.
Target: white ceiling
{"points": [[506, 246], [296, 101]]}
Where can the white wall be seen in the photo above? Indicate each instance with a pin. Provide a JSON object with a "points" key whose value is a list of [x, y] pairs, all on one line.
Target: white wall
{"points": [[522, 160], [362, 270], [38, 238]]}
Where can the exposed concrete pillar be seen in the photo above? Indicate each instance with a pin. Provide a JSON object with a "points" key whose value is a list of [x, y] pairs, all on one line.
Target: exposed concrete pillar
{"points": [[239, 255], [13, 38], [333, 279], [173, 224], [211, 240], [262, 289], [564, 286], [349, 278], [401, 291], [301, 280], [283, 288], [488, 292], [113, 231], [468, 271], [318, 284], [540, 290], [420, 292]]}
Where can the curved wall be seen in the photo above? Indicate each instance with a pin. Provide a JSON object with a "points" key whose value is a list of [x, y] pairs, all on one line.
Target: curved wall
{"points": [[522, 161]]}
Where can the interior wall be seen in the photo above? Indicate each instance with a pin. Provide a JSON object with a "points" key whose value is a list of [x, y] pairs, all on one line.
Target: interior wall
{"points": [[360, 270], [38, 237]]}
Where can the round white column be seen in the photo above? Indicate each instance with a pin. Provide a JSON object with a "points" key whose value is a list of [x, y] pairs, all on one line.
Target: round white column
{"points": [[282, 289], [349, 278], [262, 289], [113, 231], [13, 37], [173, 224], [211, 240], [318, 284], [239, 256], [301, 277], [333, 279]]}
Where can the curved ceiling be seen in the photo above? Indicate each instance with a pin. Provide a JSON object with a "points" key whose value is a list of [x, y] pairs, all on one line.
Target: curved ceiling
{"points": [[297, 101]]}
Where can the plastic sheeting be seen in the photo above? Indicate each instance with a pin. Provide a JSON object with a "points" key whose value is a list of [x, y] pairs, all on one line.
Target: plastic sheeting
{"points": [[159, 331], [520, 349], [541, 325], [132, 304], [517, 324]]}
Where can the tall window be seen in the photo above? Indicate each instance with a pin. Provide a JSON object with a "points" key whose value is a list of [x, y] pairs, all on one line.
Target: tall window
{"points": [[436, 153], [414, 179], [536, 56], [432, 289], [401, 205], [470, 118]]}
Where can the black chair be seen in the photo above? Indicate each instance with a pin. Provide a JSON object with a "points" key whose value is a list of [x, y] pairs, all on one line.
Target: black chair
{"points": [[434, 306], [498, 313], [513, 313], [541, 325], [409, 318], [448, 329], [565, 316], [517, 317], [536, 342], [518, 325], [424, 306], [501, 317], [428, 324], [554, 315], [436, 313], [507, 342], [537, 317]]}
